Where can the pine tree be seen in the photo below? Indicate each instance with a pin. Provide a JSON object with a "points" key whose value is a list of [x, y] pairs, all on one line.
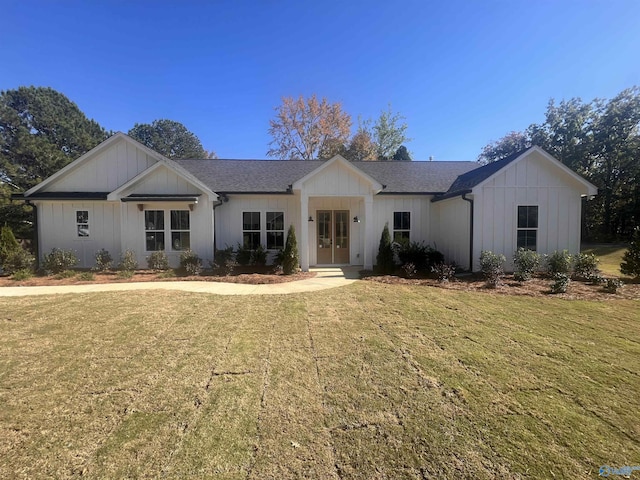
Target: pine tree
{"points": [[631, 260], [384, 259], [290, 260], [8, 244]]}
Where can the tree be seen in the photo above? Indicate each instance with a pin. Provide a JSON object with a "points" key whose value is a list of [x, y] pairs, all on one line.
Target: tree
{"points": [[306, 129], [170, 138], [290, 258], [507, 145], [384, 259], [389, 134], [402, 154], [361, 147], [631, 260], [41, 131]]}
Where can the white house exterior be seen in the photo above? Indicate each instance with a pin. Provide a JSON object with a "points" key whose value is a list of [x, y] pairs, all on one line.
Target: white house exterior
{"points": [[122, 195]]}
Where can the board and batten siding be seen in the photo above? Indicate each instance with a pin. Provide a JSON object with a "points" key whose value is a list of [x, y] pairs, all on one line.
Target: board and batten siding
{"points": [[535, 182], [337, 180], [451, 226], [57, 228], [106, 171]]}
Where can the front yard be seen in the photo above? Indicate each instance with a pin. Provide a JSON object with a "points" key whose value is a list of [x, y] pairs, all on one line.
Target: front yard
{"points": [[366, 381]]}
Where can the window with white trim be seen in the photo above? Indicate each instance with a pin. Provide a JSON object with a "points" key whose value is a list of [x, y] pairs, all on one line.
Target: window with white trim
{"points": [[82, 223], [527, 230], [275, 230], [157, 230], [401, 227], [154, 230], [180, 231], [251, 230]]}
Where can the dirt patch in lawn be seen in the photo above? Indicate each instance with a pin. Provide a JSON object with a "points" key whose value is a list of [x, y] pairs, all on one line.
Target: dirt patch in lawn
{"points": [[536, 287], [84, 278]]}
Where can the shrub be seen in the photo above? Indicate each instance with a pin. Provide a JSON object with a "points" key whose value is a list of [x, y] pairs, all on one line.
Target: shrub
{"points": [[384, 259], [444, 271], [8, 244], [631, 260], [560, 283], [87, 276], [526, 262], [125, 274], [158, 261], [290, 257], [104, 261], [491, 265], [58, 261], [422, 256], [65, 274], [243, 255], [585, 266], [259, 256], [409, 270], [190, 262], [559, 262], [224, 261], [612, 285], [128, 263], [18, 260], [20, 275]]}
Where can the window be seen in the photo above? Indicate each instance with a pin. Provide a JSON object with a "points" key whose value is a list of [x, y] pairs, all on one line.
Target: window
{"points": [[527, 227], [401, 227], [82, 223], [275, 230], [251, 230], [180, 234], [154, 230]]}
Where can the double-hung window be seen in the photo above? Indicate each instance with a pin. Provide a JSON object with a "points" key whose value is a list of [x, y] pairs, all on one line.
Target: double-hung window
{"points": [[154, 230], [401, 227], [251, 230], [180, 233], [527, 227], [82, 223], [275, 230], [177, 229]]}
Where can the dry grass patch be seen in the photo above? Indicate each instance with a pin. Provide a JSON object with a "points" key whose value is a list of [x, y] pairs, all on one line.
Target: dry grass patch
{"points": [[366, 381]]}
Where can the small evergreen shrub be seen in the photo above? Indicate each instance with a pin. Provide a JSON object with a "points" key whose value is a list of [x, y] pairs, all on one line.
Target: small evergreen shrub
{"points": [[128, 263], [224, 261], [409, 270], [259, 256], [585, 267], [18, 260], [290, 256], [612, 285], [526, 262], [8, 245], [158, 261], [104, 261], [384, 259], [560, 283], [631, 260], [243, 255], [20, 275], [491, 266], [444, 271], [64, 274], [559, 262], [59, 260], [422, 256], [190, 262], [87, 276], [125, 274]]}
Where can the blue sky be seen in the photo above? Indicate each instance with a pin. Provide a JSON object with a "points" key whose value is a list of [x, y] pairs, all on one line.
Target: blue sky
{"points": [[463, 73]]}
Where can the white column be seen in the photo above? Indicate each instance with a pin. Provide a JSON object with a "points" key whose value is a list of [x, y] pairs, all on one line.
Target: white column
{"points": [[369, 234], [303, 245]]}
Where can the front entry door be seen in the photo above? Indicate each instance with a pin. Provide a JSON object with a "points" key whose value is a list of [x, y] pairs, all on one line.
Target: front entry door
{"points": [[333, 236]]}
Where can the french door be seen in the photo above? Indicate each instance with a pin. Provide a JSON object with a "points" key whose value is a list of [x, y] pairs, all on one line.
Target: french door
{"points": [[333, 237]]}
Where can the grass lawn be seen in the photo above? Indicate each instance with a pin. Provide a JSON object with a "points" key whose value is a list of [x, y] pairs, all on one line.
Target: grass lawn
{"points": [[366, 381], [610, 256]]}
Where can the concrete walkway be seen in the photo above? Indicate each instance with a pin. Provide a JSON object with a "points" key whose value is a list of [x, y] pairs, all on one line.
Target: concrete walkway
{"points": [[325, 278]]}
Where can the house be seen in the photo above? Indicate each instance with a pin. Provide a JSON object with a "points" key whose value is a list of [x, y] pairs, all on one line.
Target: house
{"points": [[122, 195]]}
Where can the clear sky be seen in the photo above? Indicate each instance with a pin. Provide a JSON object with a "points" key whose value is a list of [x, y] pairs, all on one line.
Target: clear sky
{"points": [[463, 73]]}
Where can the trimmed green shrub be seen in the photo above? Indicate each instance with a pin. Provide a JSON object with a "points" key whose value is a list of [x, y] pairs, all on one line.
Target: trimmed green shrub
{"points": [[290, 256], [384, 259], [65, 274], [8, 244], [259, 256], [87, 276], [243, 255], [18, 260], [526, 263], [585, 267], [128, 263], [104, 261], [631, 260], [560, 283], [20, 275], [190, 262], [559, 262], [612, 285], [125, 274], [224, 261], [59, 260], [491, 266], [158, 261], [422, 256]]}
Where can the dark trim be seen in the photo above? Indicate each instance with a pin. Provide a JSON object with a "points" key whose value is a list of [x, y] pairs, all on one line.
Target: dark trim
{"points": [[161, 198], [239, 192], [409, 193], [470, 200], [446, 196], [61, 196]]}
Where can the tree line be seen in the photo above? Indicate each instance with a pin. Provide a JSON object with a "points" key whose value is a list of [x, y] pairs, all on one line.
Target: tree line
{"points": [[601, 141]]}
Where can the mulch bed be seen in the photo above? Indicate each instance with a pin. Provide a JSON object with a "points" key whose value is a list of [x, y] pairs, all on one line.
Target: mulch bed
{"points": [[536, 287]]}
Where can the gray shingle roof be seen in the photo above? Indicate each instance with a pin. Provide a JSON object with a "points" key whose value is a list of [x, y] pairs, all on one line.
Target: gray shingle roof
{"points": [[271, 176]]}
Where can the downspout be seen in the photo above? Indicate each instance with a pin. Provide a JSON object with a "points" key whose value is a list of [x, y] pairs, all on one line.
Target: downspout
{"points": [[223, 199], [470, 200], [36, 235]]}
